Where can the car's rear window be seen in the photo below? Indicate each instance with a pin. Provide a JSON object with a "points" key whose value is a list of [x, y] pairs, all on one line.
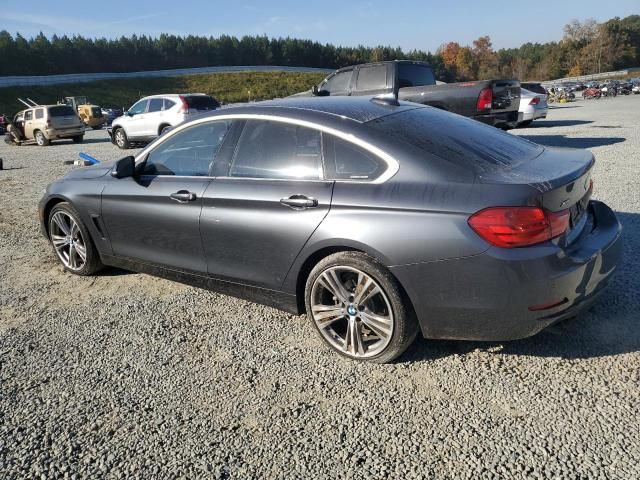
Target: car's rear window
{"points": [[460, 140], [533, 87], [61, 111], [201, 102]]}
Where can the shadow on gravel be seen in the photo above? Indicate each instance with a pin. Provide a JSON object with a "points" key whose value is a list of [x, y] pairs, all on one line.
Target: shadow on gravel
{"points": [[557, 107], [558, 123], [579, 142], [610, 327]]}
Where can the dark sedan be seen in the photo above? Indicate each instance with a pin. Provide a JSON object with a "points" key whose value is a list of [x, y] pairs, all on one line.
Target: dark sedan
{"points": [[378, 219]]}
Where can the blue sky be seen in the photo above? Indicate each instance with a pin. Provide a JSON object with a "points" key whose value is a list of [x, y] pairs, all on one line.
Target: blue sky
{"points": [[420, 24]]}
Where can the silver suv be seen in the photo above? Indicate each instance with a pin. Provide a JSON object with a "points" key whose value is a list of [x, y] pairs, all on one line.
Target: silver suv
{"points": [[151, 116]]}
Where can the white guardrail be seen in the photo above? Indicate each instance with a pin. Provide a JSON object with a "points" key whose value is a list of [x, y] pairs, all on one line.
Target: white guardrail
{"points": [[38, 80], [595, 76]]}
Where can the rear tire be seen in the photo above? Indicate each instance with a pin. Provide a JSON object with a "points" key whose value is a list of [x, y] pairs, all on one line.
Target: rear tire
{"points": [[71, 241], [164, 129], [41, 140], [368, 299], [526, 123], [120, 137]]}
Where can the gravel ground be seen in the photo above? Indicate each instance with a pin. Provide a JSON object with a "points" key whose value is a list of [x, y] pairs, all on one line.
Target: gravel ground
{"points": [[125, 375]]}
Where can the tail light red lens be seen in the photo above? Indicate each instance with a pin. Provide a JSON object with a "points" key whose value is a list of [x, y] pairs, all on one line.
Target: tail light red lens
{"points": [[511, 227], [185, 106], [534, 101], [485, 99]]}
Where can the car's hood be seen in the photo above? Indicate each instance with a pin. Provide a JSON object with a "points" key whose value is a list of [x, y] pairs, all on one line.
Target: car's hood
{"points": [[94, 171]]}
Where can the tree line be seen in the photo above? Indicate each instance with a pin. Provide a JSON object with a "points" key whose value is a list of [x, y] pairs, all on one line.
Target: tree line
{"points": [[587, 47]]}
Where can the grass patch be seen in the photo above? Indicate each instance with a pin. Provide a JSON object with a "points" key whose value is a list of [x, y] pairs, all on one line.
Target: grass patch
{"points": [[226, 87]]}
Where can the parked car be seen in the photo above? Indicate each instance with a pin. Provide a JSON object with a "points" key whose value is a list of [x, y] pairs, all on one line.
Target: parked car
{"points": [[494, 102], [636, 89], [532, 106], [44, 123], [112, 113], [151, 116], [379, 219]]}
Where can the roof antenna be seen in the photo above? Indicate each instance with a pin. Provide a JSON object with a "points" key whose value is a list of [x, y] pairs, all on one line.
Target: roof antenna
{"points": [[387, 99]]}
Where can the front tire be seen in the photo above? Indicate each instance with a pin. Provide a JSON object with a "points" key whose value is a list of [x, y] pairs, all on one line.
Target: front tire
{"points": [[358, 308], [120, 137], [71, 241], [41, 140]]}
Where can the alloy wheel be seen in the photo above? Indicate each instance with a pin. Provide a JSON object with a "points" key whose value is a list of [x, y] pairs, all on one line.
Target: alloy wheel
{"points": [[120, 137], [68, 241], [352, 312]]}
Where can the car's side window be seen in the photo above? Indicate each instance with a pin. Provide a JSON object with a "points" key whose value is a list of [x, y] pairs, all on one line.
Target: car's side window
{"points": [[347, 161], [155, 104], [372, 78], [168, 104], [139, 107], [28, 115], [338, 83], [39, 113], [189, 152], [268, 149]]}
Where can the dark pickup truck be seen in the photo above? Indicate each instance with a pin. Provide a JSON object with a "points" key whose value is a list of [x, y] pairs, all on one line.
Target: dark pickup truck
{"points": [[494, 102]]}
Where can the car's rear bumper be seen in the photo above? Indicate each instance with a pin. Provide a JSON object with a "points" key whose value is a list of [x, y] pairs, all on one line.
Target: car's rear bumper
{"points": [[55, 133], [489, 296], [499, 119]]}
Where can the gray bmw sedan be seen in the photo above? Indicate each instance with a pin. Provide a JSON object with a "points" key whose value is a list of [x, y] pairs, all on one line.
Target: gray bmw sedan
{"points": [[378, 219]]}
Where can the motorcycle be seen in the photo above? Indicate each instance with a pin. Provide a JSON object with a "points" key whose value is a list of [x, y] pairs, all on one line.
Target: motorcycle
{"points": [[591, 92]]}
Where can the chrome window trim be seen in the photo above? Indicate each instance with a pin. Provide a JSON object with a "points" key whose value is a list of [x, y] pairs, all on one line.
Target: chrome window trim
{"points": [[392, 164]]}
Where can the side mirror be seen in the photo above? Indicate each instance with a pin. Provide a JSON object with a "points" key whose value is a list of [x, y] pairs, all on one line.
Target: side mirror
{"points": [[125, 167], [128, 113], [314, 90]]}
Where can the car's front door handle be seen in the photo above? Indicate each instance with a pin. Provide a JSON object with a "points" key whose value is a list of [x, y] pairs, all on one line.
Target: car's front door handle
{"points": [[183, 196], [299, 202]]}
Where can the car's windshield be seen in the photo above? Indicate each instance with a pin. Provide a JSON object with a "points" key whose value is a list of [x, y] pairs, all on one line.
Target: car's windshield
{"points": [[201, 102], [61, 111], [463, 141]]}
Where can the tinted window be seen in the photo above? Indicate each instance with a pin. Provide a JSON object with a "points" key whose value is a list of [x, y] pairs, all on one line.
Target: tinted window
{"points": [[372, 78], [61, 111], [201, 102], [155, 104], [277, 150], [28, 115], [139, 107], [190, 152], [168, 104], [339, 83], [346, 161], [533, 87], [411, 75], [460, 140], [39, 113]]}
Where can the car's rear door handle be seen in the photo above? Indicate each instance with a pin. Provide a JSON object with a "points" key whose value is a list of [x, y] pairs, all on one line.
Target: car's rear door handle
{"points": [[183, 196], [299, 202]]}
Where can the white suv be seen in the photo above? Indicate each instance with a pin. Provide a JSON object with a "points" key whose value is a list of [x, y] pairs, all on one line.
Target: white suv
{"points": [[152, 116]]}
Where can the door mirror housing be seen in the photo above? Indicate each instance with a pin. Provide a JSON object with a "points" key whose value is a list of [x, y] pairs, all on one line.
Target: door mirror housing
{"points": [[125, 167], [129, 114], [314, 90]]}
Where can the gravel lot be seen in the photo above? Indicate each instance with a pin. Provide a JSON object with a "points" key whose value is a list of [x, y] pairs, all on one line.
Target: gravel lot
{"points": [[125, 375]]}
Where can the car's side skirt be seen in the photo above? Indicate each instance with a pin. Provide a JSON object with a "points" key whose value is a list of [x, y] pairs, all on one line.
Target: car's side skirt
{"points": [[272, 298]]}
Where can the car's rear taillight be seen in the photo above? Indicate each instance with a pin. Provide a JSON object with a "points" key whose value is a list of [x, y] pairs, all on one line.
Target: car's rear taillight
{"points": [[485, 99], [184, 108], [534, 101], [510, 227]]}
